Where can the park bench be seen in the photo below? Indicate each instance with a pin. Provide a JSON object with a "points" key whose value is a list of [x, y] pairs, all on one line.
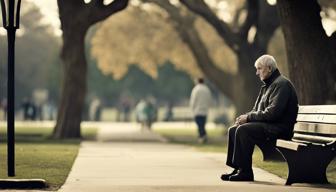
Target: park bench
{"points": [[313, 145]]}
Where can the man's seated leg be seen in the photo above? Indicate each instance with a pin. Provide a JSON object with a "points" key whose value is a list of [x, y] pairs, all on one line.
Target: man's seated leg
{"points": [[231, 145], [247, 136], [229, 162]]}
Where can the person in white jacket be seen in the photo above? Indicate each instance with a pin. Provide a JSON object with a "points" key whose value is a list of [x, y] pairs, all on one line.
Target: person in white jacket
{"points": [[200, 101]]}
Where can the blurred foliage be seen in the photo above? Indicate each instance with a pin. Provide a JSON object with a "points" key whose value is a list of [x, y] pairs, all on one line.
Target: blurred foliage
{"points": [[37, 55], [171, 85], [145, 36]]}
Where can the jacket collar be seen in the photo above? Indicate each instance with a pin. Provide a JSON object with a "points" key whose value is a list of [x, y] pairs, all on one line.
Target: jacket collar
{"points": [[271, 78]]}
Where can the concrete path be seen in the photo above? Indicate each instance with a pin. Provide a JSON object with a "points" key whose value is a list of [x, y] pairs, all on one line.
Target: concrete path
{"points": [[150, 164]]}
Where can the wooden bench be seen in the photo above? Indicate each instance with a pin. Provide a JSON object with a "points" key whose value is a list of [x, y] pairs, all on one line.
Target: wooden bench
{"points": [[313, 145]]}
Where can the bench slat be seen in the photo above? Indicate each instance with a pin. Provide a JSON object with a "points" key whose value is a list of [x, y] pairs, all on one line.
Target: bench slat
{"points": [[316, 118], [315, 128], [318, 109], [314, 138], [289, 144]]}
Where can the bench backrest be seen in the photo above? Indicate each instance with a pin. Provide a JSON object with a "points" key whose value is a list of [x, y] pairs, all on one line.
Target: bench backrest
{"points": [[316, 124]]}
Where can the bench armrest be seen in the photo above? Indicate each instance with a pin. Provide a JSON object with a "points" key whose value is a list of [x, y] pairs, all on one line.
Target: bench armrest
{"points": [[289, 144]]}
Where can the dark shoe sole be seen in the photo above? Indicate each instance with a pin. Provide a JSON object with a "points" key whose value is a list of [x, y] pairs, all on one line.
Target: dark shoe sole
{"points": [[225, 177], [242, 180], [242, 177]]}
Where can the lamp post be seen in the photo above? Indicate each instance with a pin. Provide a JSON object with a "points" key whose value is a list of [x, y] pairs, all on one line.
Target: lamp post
{"points": [[11, 20]]}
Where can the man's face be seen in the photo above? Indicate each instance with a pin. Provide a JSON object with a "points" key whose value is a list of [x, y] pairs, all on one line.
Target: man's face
{"points": [[263, 71]]}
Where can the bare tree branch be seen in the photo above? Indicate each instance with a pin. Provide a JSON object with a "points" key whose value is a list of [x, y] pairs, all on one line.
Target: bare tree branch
{"points": [[223, 29], [235, 20], [268, 22], [98, 11], [66, 7], [251, 19], [184, 26]]}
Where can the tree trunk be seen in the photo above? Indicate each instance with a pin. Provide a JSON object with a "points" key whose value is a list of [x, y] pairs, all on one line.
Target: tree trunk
{"points": [[76, 18], [246, 84], [310, 52], [74, 85]]}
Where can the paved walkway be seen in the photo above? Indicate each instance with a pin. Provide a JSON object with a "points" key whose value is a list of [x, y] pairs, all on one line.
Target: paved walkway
{"points": [[127, 160]]}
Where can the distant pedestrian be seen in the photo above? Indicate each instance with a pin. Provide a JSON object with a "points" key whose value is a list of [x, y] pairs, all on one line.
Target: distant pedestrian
{"points": [[168, 115], [48, 111], [126, 108], [29, 109], [140, 111], [95, 110], [151, 113], [200, 101]]}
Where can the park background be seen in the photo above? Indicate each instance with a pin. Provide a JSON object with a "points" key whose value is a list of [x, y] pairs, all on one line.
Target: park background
{"points": [[145, 51], [136, 55]]}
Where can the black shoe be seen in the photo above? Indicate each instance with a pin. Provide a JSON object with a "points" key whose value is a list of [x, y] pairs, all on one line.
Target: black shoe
{"points": [[226, 177], [242, 176]]}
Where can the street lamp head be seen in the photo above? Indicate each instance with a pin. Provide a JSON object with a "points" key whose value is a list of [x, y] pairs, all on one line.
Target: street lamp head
{"points": [[10, 13]]}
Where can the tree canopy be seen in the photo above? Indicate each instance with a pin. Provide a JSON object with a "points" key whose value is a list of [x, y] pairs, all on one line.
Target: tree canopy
{"points": [[142, 34]]}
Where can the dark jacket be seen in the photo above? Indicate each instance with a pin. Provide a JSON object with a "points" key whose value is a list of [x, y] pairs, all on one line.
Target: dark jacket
{"points": [[277, 105]]}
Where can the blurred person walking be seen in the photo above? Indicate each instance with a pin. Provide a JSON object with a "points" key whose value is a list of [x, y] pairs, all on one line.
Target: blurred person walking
{"points": [[151, 113], [29, 109], [200, 101], [141, 116]]}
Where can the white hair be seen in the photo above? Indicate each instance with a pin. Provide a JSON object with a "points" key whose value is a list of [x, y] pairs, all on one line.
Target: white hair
{"points": [[266, 60]]}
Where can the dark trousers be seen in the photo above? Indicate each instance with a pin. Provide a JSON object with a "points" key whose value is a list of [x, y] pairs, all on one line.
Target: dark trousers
{"points": [[200, 121], [241, 142]]}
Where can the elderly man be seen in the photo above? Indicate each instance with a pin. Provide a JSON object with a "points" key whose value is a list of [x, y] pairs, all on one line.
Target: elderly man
{"points": [[273, 116]]}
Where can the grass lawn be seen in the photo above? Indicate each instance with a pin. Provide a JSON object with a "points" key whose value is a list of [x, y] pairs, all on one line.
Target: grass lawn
{"points": [[38, 156], [217, 143]]}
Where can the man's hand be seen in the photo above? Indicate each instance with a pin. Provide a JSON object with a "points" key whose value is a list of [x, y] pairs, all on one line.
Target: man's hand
{"points": [[241, 120]]}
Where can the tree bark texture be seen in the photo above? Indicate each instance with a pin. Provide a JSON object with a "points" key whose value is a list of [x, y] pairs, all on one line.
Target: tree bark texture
{"points": [[74, 86], [310, 52], [76, 17]]}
